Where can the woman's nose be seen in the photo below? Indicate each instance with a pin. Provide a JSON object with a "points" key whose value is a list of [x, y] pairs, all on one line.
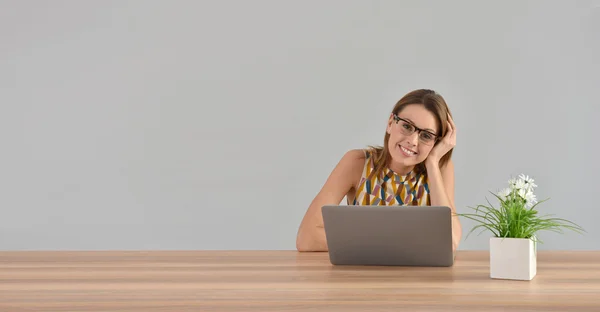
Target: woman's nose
{"points": [[413, 138]]}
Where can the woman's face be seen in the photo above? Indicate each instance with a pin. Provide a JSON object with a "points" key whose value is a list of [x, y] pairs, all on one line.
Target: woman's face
{"points": [[412, 136]]}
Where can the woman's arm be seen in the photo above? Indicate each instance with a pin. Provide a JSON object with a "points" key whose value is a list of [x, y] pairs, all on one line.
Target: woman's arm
{"points": [[311, 233], [441, 188]]}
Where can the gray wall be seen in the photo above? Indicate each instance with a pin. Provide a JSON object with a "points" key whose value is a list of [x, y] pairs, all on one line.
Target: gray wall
{"points": [[212, 124]]}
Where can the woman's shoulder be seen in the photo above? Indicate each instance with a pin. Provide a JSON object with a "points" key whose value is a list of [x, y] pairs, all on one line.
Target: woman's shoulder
{"points": [[353, 161], [363, 154], [360, 155], [355, 157]]}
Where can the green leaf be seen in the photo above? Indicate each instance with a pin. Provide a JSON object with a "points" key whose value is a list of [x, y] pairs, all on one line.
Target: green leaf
{"points": [[511, 219]]}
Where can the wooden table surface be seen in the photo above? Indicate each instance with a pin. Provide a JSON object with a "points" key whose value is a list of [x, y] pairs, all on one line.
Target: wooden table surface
{"points": [[285, 281]]}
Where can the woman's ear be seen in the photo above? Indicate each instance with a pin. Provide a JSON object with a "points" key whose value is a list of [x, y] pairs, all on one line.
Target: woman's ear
{"points": [[390, 124]]}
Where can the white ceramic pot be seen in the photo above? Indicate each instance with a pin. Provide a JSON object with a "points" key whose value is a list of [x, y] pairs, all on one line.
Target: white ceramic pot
{"points": [[513, 258]]}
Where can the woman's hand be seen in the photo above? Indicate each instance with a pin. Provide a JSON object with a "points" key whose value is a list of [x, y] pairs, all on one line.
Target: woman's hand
{"points": [[445, 145]]}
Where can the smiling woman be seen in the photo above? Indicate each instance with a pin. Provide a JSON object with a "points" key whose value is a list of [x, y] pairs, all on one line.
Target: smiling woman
{"points": [[413, 167]]}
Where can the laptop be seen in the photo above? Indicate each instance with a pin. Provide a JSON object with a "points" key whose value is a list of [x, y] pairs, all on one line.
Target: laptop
{"points": [[389, 235]]}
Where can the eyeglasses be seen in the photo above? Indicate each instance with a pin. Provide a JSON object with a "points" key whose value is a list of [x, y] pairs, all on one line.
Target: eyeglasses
{"points": [[408, 128]]}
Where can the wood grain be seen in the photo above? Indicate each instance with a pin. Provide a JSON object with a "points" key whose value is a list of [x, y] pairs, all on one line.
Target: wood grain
{"points": [[285, 281]]}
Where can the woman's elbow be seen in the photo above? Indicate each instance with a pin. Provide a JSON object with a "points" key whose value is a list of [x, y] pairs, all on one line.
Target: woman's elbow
{"points": [[301, 246], [305, 242]]}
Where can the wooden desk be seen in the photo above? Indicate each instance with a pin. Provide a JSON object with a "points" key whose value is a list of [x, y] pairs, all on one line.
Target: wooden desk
{"points": [[285, 281]]}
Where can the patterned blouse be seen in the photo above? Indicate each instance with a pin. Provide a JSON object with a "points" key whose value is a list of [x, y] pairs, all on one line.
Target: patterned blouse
{"points": [[391, 189]]}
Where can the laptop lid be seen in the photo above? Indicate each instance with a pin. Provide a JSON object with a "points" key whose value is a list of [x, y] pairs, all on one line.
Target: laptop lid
{"points": [[389, 235]]}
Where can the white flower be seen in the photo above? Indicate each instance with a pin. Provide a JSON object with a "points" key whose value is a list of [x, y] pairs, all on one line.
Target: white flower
{"points": [[522, 192], [532, 184], [504, 193], [520, 185], [527, 180], [530, 199]]}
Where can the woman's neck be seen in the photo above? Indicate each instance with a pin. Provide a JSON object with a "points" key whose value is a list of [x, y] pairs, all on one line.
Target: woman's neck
{"points": [[399, 168]]}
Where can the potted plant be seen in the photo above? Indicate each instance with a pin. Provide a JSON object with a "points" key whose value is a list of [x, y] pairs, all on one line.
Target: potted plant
{"points": [[514, 224]]}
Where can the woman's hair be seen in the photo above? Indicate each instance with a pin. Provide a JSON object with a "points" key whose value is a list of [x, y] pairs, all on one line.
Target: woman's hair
{"points": [[434, 103]]}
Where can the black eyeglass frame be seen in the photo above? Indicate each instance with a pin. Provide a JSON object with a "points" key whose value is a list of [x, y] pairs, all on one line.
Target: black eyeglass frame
{"points": [[417, 129]]}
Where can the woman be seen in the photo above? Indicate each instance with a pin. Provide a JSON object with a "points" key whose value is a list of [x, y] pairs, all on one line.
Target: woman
{"points": [[412, 168]]}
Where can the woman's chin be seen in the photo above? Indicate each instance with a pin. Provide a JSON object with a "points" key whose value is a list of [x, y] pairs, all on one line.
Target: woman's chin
{"points": [[404, 162]]}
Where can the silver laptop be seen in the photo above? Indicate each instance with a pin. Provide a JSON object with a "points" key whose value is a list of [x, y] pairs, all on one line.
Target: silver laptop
{"points": [[389, 235]]}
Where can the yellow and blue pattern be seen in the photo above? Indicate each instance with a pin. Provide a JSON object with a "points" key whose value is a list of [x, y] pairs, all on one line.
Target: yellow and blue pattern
{"points": [[391, 189]]}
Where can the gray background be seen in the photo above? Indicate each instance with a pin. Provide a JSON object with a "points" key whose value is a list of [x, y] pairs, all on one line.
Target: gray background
{"points": [[213, 124]]}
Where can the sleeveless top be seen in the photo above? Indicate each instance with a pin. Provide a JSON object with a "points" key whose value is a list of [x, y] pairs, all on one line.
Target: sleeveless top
{"points": [[391, 189]]}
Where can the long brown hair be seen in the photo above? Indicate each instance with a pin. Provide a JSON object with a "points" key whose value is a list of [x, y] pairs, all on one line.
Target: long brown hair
{"points": [[433, 102]]}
